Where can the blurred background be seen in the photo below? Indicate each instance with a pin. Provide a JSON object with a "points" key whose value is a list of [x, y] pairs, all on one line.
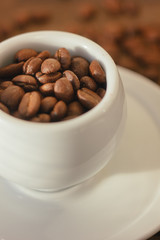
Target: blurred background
{"points": [[128, 29]]}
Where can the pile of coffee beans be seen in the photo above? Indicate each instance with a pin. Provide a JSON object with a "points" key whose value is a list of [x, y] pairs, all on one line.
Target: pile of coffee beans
{"points": [[42, 87], [128, 29]]}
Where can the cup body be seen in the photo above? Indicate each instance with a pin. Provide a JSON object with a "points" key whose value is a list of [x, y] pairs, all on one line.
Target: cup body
{"points": [[55, 156]]}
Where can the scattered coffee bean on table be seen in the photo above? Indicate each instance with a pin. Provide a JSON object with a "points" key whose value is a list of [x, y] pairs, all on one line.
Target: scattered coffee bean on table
{"points": [[42, 87]]}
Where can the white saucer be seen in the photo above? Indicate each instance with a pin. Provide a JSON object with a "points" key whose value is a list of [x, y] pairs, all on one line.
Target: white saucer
{"points": [[122, 202]]}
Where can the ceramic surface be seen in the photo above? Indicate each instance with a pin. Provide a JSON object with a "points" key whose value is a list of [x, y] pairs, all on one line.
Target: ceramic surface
{"points": [[122, 202], [59, 155]]}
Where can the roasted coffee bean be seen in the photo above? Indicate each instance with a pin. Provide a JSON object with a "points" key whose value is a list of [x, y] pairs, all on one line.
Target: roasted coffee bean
{"points": [[75, 109], [86, 11], [12, 96], [29, 105], [44, 54], [29, 83], [80, 66], [11, 70], [69, 117], [151, 34], [101, 92], [112, 6], [22, 17], [63, 90], [131, 30], [129, 62], [112, 48], [4, 108], [138, 54], [17, 114], [32, 65], [89, 83], [6, 28], [40, 15], [74, 28], [48, 78], [5, 84], [130, 7], [42, 117], [152, 57], [50, 65], [1, 90], [63, 56], [71, 76], [132, 43], [113, 31], [47, 104], [88, 98], [97, 72], [151, 72], [25, 54], [47, 89], [59, 111]]}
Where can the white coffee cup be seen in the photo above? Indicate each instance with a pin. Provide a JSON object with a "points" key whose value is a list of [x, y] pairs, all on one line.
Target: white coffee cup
{"points": [[55, 156]]}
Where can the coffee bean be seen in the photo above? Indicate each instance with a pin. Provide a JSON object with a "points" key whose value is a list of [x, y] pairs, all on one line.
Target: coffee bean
{"points": [[17, 114], [47, 104], [22, 18], [6, 28], [137, 54], [30, 104], [48, 78], [111, 47], [59, 111], [86, 11], [97, 72], [88, 98], [29, 83], [113, 31], [1, 90], [5, 84], [50, 88], [152, 57], [11, 70], [101, 92], [12, 96], [89, 83], [151, 72], [80, 66], [129, 62], [131, 43], [112, 6], [63, 56], [69, 117], [50, 65], [71, 76], [32, 65], [42, 117], [25, 54], [75, 109], [44, 54], [47, 89], [151, 33], [63, 90], [130, 7], [4, 108], [40, 15]]}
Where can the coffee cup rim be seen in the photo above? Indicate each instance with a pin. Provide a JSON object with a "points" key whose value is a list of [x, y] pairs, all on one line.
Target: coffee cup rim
{"points": [[97, 112]]}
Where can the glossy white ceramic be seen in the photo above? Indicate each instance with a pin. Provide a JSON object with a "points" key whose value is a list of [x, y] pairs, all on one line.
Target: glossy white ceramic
{"points": [[122, 202], [55, 156]]}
